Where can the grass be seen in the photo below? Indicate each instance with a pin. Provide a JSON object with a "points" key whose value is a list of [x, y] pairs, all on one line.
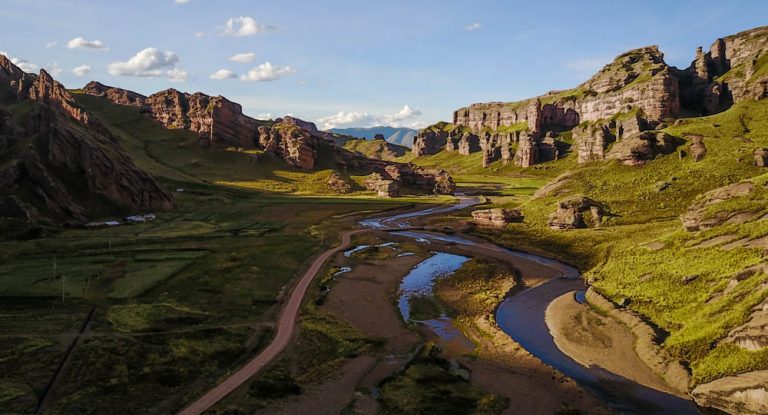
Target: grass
{"points": [[182, 300], [431, 384], [692, 316]]}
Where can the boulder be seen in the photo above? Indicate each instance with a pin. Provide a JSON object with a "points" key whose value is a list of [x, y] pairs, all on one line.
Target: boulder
{"points": [[383, 187], [576, 212], [761, 157], [698, 149], [640, 148], [338, 183], [496, 217]]}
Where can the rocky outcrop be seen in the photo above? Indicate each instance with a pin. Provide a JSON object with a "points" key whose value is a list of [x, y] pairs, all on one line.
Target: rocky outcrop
{"points": [[698, 149], [429, 142], [745, 394], [640, 148], [75, 168], [337, 183], [591, 140], [577, 212], [294, 144], [468, 143], [761, 157], [117, 95], [436, 181], [700, 216], [752, 335], [383, 187], [218, 121], [496, 217], [733, 70], [636, 92]]}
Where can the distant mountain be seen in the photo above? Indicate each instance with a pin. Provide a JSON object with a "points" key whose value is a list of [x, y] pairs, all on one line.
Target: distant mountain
{"points": [[395, 135]]}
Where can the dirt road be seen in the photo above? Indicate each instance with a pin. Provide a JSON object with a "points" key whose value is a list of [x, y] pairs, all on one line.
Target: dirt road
{"points": [[286, 325]]}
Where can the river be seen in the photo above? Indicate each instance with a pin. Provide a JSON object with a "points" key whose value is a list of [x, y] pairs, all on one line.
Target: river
{"points": [[521, 316]]}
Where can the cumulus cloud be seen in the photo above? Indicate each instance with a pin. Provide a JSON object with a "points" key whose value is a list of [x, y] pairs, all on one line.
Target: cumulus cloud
{"points": [[404, 117], [199, 34], [23, 64], [181, 1], [81, 70], [267, 72], [81, 43], [51, 44], [223, 74], [243, 57], [245, 26], [149, 62], [177, 75], [473, 27]]}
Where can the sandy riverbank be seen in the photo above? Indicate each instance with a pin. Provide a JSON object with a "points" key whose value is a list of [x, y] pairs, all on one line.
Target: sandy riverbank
{"points": [[594, 339]]}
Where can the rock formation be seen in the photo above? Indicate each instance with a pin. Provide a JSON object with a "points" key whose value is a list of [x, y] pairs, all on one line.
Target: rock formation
{"points": [[383, 187], [698, 149], [744, 394], [761, 157], [591, 140], [429, 142], [116, 95], [496, 217], [576, 212], [752, 335], [636, 92], [700, 216], [640, 148], [337, 183], [75, 169]]}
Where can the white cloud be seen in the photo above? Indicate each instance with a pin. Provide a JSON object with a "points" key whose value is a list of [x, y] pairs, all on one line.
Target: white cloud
{"points": [[404, 117], [54, 69], [223, 74], [181, 1], [245, 26], [80, 43], [177, 75], [587, 65], [23, 64], [51, 44], [81, 70], [199, 34], [149, 62], [267, 72], [473, 27], [265, 116], [243, 57]]}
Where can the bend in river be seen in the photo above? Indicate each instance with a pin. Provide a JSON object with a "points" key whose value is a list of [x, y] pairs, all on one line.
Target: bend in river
{"points": [[522, 317]]}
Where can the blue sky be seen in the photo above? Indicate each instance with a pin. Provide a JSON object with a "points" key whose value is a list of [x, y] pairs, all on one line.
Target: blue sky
{"points": [[355, 63]]}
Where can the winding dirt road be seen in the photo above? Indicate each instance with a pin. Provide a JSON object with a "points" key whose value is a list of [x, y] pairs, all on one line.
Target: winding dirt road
{"points": [[286, 326]]}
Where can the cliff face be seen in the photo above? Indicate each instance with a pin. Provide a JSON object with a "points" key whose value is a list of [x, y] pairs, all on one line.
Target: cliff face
{"points": [[217, 120], [61, 164], [635, 92]]}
